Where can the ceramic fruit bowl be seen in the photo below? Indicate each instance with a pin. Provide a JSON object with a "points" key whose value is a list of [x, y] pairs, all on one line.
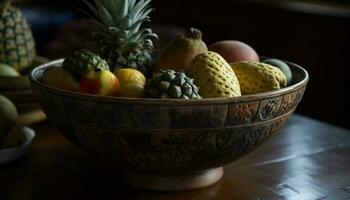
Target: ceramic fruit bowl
{"points": [[168, 144]]}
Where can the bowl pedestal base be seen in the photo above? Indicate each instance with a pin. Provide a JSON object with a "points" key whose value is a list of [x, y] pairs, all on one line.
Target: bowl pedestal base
{"points": [[176, 183]]}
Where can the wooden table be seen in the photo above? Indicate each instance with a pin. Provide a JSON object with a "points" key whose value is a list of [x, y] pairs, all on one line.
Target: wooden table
{"points": [[307, 160]]}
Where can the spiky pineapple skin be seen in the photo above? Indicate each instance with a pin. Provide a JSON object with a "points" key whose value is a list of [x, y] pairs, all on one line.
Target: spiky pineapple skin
{"points": [[83, 62], [257, 77], [17, 46], [139, 60], [170, 84], [214, 76]]}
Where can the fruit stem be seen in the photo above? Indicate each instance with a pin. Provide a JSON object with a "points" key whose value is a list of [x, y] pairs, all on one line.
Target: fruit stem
{"points": [[193, 33]]}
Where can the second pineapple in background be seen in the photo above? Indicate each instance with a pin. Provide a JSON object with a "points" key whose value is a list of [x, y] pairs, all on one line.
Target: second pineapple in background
{"points": [[17, 46]]}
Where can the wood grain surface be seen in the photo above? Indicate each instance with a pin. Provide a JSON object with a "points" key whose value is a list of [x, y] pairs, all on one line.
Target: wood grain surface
{"points": [[306, 160]]}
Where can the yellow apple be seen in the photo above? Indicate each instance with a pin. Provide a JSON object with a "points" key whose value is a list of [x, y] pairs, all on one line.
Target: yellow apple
{"points": [[101, 82]]}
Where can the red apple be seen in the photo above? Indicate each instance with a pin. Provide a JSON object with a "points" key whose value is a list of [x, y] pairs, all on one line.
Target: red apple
{"points": [[102, 82], [234, 51]]}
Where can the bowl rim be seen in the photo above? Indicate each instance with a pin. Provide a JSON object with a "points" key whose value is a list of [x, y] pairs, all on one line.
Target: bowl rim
{"points": [[221, 100]]}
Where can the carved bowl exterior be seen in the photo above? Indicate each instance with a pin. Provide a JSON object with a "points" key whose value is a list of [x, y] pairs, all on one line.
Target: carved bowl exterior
{"points": [[168, 137]]}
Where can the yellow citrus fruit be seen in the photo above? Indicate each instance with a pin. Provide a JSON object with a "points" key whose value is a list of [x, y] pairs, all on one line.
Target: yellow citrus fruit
{"points": [[127, 75], [132, 90]]}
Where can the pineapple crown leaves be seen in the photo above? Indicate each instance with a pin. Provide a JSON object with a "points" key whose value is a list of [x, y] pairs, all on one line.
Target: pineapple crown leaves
{"points": [[119, 22]]}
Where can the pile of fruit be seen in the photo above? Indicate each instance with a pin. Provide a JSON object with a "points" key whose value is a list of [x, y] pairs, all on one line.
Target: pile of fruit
{"points": [[17, 47], [186, 69]]}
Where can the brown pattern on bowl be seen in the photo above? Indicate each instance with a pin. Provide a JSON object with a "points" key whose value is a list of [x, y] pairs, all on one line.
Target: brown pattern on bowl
{"points": [[157, 141]]}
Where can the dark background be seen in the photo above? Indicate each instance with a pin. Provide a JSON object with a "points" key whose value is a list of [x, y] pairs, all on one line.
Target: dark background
{"points": [[313, 34]]}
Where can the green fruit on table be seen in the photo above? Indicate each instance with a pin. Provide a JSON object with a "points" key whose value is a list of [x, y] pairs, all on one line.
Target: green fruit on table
{"points": [[282, 66], [132, 90], [180, 53], [17, 47], [8, 116], [125, 40], [257, 77], [7, 70], [60, 78], [214, 76], [84, 62], [170, 84]]}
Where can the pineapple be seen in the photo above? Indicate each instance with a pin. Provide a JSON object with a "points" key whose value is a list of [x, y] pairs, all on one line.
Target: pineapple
{"points": [[17, 47], [124, 44], [171, 84], [83, 62]]}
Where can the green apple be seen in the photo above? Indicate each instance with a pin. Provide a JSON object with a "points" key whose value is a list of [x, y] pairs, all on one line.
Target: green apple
{"points": [[7, 70]]}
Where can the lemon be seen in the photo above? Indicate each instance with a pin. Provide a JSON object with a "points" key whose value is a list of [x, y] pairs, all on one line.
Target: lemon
{"points": [[132, 90], [127, 76]]}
